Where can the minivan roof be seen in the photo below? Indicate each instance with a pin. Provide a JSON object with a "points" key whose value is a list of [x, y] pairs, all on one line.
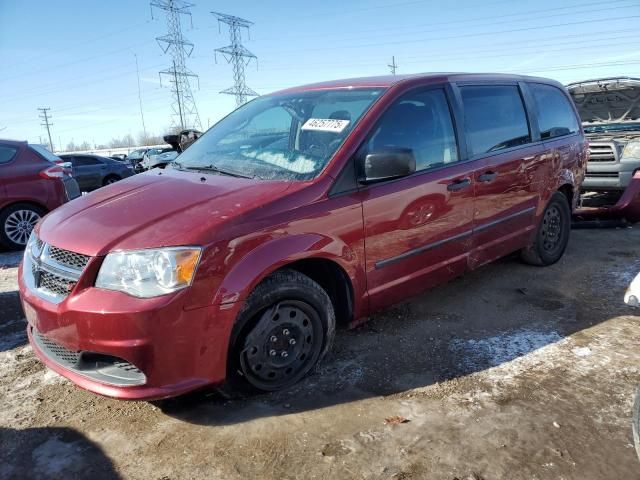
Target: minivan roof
{"points": [[387, 81]]}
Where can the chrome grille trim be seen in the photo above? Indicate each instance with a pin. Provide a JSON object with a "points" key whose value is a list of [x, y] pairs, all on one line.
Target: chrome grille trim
{"points": [[602, 152], [76, 261], [54, 273]]}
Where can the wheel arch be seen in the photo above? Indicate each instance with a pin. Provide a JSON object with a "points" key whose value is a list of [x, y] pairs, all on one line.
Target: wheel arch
{"points": [[327, 261]]}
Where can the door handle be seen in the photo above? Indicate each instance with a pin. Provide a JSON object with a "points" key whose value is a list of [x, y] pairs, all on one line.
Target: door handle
{"points": [[487, 177], [459, 184]]}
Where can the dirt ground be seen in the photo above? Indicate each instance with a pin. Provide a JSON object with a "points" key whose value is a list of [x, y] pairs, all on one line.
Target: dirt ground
{"points": [[512, 372]]}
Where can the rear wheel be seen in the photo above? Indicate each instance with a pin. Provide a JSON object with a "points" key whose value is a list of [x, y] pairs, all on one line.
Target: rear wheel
{"points": [[285, 328], [552, 235], [16, 223], [110, 179]]}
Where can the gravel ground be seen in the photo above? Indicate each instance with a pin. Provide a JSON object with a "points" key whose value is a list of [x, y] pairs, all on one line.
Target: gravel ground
{"points": [[510, 372]]}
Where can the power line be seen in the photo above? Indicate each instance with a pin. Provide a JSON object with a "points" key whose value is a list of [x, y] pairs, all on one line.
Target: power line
{"points": [[464, 35], [144, 128], [45, 116], [237, 55], [179, 48]]}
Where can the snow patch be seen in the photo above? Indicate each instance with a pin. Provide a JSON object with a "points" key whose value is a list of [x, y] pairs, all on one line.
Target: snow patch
{"points": [[582, 351], [507, 347]]}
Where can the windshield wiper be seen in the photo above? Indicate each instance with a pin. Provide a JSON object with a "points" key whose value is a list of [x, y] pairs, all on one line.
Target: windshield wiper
{"points": [[216, 169]]}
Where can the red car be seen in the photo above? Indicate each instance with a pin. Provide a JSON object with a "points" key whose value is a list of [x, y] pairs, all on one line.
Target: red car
{"points": [[33, 181], [302, 210]]}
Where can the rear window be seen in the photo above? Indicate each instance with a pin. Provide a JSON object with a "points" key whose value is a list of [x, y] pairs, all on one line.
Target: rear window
{"points": [[555, 114], [494, 118], [46, 154], [7, 153]]}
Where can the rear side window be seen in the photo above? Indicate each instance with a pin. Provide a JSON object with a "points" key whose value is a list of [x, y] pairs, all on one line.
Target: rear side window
{"points": [[44, 153], [7, 153], [555, 114], [81, 161], [494, 118], [422, 122]]}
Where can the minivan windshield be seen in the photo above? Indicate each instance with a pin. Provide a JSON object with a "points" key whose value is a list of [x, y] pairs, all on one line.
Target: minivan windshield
{"points": [[282, 137]]}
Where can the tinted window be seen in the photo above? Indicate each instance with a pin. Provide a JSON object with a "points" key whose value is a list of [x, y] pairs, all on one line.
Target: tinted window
{"points": [[555, 114], [7, 153], [422, 122], [494, 118], [81, 161], [46, 154]]}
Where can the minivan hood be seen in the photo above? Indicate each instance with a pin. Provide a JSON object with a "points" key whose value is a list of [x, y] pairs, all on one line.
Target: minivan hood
{"points": [[155, 209], [607, 100]]}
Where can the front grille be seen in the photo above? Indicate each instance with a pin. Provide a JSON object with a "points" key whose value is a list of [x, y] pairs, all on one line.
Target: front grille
{"points": [[602, 174], [56, 284], [69, 259], [601, 153]]}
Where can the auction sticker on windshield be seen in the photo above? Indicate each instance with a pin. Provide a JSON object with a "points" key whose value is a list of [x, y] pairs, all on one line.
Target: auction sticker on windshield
{"points": [[325, 125]]}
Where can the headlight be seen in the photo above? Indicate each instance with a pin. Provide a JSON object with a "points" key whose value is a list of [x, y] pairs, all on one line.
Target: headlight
{"points": [[149, 273], [632, 149]]}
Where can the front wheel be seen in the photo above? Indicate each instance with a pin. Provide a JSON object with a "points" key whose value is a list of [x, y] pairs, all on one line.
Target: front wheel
{"points": [[285, 328], [552, 235]]}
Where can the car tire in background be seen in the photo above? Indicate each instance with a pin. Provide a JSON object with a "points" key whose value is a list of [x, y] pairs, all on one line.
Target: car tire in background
{"points": [[283, 331], [109, 179], [552, 235], [16, 223]]}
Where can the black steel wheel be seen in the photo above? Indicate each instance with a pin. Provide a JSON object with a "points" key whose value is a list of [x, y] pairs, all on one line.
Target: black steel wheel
{"points": [[552, 235], [285, 328]]}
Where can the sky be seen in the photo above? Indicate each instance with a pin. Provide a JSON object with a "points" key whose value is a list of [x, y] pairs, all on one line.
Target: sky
{"points": [[79, 57]]}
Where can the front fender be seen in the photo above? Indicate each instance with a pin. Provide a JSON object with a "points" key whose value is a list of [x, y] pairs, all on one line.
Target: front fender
{"points": [[253, 267]]}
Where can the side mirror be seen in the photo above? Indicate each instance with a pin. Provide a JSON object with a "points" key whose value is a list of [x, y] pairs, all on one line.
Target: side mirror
{"points": [[387, 164]]}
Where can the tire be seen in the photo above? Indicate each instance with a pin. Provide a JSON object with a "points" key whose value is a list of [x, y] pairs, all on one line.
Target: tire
{"points": [[16, 223], [283, 331], [636, 422], [109, 179], [552, 235]]}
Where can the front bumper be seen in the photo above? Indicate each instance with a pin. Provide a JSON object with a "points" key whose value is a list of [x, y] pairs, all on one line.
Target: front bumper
{"points": [[626, 209], [174, 350]]}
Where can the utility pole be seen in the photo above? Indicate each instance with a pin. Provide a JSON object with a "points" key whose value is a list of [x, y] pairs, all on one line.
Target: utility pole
{"points": [[45, 117], [179, 48], [237, 55], [393, 66], [144, 129]]}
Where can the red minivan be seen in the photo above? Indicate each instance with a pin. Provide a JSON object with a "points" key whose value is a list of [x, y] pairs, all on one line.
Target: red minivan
{"points": [[302, 210], [33, 181]]}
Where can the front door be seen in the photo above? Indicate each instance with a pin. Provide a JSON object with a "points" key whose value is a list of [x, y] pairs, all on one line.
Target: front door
{"points": [[417, 228]]}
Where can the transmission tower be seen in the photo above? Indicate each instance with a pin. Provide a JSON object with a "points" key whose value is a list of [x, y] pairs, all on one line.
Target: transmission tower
{"points": [[237, 55], [45, 118], [185, 113]]}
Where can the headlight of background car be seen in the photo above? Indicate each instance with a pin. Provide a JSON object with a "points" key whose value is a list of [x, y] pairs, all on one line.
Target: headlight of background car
{"points": [[632, 149], [149, 273]]}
